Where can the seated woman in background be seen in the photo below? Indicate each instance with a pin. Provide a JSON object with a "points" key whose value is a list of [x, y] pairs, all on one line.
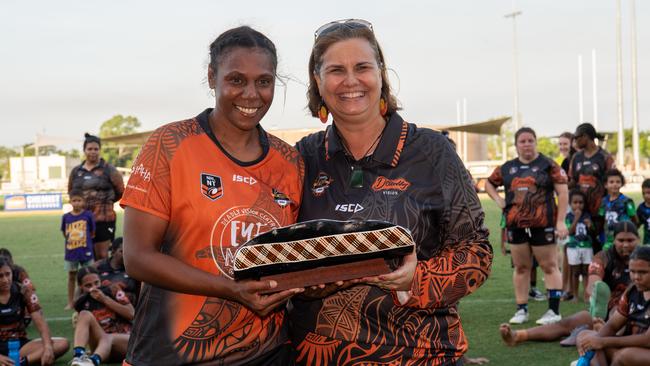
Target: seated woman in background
{"points": [[16, 303], [112, 272], [104, 322]]}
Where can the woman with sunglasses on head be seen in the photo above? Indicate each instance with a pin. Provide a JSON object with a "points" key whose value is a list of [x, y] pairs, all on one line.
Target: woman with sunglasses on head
{"points": [[199, 189], [370, 164]]}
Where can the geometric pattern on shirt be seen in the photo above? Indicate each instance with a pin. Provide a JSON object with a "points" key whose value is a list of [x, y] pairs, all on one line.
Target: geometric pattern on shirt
{"points": [[328, 246]]}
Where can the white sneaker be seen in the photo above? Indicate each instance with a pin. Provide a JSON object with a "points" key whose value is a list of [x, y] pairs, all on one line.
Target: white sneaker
{"points": [[549, 317], [574, 363], [521, 316], [83, 360]]}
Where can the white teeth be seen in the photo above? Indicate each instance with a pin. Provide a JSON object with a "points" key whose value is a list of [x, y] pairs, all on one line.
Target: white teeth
{"points": [[246, 110], [353, 95]]}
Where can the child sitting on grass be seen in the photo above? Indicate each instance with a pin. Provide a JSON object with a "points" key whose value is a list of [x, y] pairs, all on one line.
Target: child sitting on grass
{"points": [[104, 321], [78, 227]]}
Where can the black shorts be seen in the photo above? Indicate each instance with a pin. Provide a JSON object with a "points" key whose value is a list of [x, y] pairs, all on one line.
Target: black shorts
{"points": [[104, 230], [533, 236], [4, 346]]}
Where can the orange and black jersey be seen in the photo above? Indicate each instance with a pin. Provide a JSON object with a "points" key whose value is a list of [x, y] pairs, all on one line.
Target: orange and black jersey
{"points": [[109, 320], [414, 179], [213, 203], [588, 175], [529, 188], [13, 315], [614, 271], [634, 306], [110, 276]]}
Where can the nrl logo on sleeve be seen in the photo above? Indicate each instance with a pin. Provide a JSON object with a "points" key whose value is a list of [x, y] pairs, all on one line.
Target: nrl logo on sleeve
{"points": [[211, 186]]}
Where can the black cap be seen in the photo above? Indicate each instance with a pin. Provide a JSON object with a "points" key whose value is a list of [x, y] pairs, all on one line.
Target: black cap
{"points": [[587, 129]]}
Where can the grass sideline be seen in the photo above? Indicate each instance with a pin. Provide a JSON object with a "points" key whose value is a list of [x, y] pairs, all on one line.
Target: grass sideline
{"points": [[37, 245]]}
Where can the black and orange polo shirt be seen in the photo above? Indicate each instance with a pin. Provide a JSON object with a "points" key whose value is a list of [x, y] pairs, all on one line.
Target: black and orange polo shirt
{"points": [[414, 179]]}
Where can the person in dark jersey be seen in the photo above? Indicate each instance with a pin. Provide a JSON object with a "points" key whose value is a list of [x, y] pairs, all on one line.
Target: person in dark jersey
{"points": [[609, 267], [370, 164], [531, 183], [565, 144], [199, 189], [615, 206], [587, 173], [625, 338], [112, 272], [643, 211], [104, 321], [18, 273], [16, 303], [102, 185]]}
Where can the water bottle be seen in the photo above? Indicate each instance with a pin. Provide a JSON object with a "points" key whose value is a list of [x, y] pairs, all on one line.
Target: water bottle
{"points": [[14, 350], [585, 359]]}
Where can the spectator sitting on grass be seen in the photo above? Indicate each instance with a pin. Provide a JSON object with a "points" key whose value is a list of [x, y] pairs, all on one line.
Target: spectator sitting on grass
{"points": [[16, 302], [112, 272], [608, 274], [632, 346], [104, 321]]}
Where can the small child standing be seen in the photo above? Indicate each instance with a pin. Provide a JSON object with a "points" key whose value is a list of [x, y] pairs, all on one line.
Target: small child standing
{"points": [[579, 247], [78, 227], [615, 206], [643, 211]]}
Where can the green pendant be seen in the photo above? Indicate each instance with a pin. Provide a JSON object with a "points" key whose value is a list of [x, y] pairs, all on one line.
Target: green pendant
{"points": [[356, 178]]}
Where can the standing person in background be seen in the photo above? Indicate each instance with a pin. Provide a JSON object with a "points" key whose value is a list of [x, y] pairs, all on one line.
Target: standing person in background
{"points": [[587, 173], [615, 206], [102, 185], [565, 144], [578, 247], [200, 188], [393, 171], [532, 219], [78, 228], [643, 211]]}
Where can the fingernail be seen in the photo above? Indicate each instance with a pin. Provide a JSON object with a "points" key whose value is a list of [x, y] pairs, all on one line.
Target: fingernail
{"points": [[298, 290], [273, 284]]}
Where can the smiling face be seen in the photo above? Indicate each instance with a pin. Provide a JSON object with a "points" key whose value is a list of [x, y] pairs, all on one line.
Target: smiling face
{"points": [[564, 145], [349, 81], [526, 146], [244, 84]]}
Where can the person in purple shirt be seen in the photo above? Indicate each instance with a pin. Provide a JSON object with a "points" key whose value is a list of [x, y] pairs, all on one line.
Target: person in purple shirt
{"points": [[78, 227]]}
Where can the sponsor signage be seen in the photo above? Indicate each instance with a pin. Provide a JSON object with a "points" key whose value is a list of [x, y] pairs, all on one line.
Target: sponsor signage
{"points": [[32, 202]]}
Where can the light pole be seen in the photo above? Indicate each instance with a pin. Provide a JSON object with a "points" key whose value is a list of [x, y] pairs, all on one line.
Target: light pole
{"points": [[635, 97], [620, 156], [515, 67]]}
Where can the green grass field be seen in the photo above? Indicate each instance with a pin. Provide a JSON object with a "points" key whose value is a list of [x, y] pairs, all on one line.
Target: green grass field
{"points": [[36, 244]]}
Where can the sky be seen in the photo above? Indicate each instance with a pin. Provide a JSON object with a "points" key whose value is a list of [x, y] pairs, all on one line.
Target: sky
{"points": [[67, 66]]}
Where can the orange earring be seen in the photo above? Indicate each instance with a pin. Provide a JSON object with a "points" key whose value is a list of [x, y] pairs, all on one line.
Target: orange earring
{"points": [[323, 113], [383, 107]]}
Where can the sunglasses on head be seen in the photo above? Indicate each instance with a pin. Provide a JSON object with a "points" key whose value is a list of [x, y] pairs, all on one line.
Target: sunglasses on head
{"points": [[337, 24]]}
